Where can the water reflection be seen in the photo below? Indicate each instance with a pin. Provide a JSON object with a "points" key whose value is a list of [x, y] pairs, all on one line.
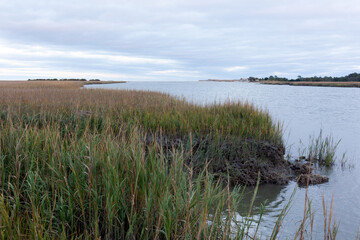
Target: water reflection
{"points": [[268, 195]]}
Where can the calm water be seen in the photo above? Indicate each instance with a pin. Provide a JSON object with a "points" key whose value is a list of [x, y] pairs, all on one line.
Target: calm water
{"points": [[303, 112]]}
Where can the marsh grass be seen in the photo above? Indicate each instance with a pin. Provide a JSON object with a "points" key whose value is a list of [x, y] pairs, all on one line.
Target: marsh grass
{"points": [[151, 111], [322, 149], [77, 164], [306, 228], [95, 186]]}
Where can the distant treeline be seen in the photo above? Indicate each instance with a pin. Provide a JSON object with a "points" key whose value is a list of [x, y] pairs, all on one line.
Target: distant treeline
{"points": [[353, 77], [63, 79]]}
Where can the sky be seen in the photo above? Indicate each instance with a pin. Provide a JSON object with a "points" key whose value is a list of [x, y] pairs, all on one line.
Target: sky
{"points": [[178, 40]]}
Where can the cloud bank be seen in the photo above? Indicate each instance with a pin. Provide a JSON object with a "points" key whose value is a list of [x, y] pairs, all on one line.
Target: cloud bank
{"points": [[178, 40]]}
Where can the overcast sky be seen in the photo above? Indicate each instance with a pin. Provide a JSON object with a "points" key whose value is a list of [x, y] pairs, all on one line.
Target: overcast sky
{"points": [[178, 39]]}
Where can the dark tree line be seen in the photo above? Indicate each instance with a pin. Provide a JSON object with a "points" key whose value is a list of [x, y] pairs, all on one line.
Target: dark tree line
{"points": [[353, 77]]}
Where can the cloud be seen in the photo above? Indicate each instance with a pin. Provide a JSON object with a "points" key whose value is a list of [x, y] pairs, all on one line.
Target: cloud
{"points": [[45, 52], [26, 61], [176, 73], [34, 73], [236, 68], [206, 39]]}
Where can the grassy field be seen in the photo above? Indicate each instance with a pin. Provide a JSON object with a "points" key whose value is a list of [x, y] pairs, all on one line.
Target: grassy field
{"points": [[318, 84], [78, 163]]}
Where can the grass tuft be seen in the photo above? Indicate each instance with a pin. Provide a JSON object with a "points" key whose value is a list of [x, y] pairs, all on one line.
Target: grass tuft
{"points": [[322, 150]]}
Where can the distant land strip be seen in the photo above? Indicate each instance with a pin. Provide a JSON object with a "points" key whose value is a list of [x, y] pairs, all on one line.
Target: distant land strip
{"points": [[314, 84], [351, 80]]}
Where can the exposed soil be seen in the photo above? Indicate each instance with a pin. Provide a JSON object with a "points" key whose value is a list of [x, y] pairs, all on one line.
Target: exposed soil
{"points": [[241, 161], [311, 179]]}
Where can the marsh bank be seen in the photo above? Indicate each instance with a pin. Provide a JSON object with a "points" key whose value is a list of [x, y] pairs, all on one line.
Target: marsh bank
{"points": [[303, 112]]}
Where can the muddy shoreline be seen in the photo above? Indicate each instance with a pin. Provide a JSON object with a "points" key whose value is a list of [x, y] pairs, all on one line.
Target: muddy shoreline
{"points": [[240, 161]]}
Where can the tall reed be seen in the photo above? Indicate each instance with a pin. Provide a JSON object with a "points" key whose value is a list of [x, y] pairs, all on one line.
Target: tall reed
{"points": [[95, 164], [322, 150], [79, 164]]}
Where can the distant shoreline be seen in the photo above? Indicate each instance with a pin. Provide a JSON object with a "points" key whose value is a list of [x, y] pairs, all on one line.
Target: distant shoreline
{"points": [[313, 84], [294, 83]]}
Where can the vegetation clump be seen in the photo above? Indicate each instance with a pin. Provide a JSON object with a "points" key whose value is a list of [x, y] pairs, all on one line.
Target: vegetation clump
{"points": [[322, 150]]}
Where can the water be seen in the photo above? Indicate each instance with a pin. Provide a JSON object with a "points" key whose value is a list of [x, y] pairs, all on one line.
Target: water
{"points": [[303, 112]]}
